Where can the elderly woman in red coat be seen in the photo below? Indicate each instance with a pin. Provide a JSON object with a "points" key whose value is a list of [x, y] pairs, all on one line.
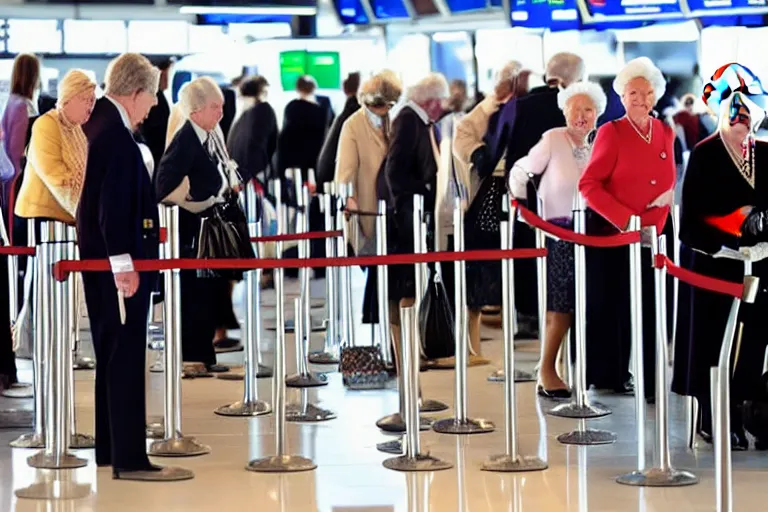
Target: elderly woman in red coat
{"points": [[631, 172]]}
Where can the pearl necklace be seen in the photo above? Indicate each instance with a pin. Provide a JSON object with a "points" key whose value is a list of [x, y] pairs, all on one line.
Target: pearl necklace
{"points": [[646, 138], [745, 162]]}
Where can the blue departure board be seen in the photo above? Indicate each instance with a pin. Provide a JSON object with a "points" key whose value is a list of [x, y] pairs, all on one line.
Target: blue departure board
{"points": [[552, 14], [351, 12], [596, 11], [727, 7], [466, 5], [389, 9]]}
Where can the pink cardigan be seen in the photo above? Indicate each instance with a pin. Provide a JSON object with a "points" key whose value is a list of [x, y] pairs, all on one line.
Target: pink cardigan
{"points": [[553, 154]]}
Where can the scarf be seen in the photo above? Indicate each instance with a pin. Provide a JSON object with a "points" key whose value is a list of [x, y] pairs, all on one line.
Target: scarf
{"points": [[74, 153]]}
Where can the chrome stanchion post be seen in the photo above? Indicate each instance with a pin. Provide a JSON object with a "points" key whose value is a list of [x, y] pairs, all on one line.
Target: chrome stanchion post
{"points": [[13, 275], [636, 320], [280, 462], [345, 281], [662, 474], [541, 277], [675, 282], [510, 460], [580, 407], [382, 278], [40, 299], [302, 319], [175, 444], [461, 423], [250, 405], [79, 361], [255, 229], [77, 440], [57, 432], [413, 460]]}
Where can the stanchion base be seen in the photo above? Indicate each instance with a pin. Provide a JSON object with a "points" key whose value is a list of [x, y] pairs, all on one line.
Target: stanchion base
{"points": [[155, 431], [240, 408], [309, 414], [572, 410], [396, 423], [587, 437], [656, 477], [263, 372], [418, 463], [290, 327], [507, 464], [43, 460], [55, 490], [178, 447], [520, 376], [157, 368], [17, 418], [29, 441], [467, 426], [83, 363], [281, 464], [310, 380], [394, 447], [82, 442], [432, 406], [323, 358], [21, 391]]}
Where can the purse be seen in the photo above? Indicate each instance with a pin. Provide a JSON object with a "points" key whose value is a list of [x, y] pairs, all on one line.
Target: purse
{"points": [[436, 321], [363, 368], [224, 235]]}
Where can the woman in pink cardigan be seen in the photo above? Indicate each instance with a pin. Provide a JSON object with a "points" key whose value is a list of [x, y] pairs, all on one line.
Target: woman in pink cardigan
{"points": [[560, 157]]}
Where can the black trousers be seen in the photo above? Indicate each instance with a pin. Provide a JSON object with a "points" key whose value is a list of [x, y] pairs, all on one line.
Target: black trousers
{"points": [[7, 356], [120, 370], [199, 318]]}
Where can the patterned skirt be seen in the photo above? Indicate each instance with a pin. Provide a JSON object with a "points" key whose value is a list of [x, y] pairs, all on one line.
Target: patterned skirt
{"points": [[560, 272]]}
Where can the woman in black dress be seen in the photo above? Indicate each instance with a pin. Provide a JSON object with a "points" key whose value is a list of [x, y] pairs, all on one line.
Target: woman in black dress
{"points": [[722, 187]]}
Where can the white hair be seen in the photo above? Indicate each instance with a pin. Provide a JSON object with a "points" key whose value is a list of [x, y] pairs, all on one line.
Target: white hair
{"points": [[197, 94], [641, 67], [590, 89], [565, 67], [431, 87], [129, 74], [508, 72]]}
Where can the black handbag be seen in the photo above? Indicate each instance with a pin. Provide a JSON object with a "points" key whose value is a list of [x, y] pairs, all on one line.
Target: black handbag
{"points": [[363, 368], [224, 235], [436, 321]]}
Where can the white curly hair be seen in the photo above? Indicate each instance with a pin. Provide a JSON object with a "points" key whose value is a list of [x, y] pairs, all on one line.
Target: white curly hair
{"points": [[590, 89], [641, 67]]}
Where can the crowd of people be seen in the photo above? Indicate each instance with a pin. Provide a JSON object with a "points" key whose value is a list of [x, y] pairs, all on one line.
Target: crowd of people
{"points": [[105, 164]]}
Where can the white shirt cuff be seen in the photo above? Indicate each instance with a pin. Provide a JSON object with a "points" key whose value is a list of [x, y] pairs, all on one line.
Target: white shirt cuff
{"points": [[121, 263]]}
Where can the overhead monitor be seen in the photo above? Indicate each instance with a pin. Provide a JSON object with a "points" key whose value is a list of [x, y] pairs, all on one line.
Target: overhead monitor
{"points": [[293, 64], [701, 8], [601, 11], [230, 19], [458, 6], [389, 9], [550, 14], [284, 7], [351, 12], [325, 67]]}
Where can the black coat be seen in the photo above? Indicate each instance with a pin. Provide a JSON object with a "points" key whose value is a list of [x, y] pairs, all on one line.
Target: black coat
{"points": [[252, 140], [300, 141], [186, 156], [230, 108], [326, 163], [154, 128], [117, 213], [536, 113]]}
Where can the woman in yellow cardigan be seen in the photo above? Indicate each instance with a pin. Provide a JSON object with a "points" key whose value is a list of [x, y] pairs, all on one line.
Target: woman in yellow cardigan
{"points": [[58, 149]]}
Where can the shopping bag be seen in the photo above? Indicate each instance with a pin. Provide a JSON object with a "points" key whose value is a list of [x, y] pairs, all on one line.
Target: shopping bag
{"points": [[436, 321]]}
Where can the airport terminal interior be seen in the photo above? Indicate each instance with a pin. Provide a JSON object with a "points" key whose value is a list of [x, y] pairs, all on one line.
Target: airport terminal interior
{"points": [[330, 443]]}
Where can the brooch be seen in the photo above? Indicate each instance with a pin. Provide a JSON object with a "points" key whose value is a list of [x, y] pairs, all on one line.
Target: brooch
{"points": [[663, 155]]}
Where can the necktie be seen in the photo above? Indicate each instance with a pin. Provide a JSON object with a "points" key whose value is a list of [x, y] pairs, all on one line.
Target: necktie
{"points": [[438, 135]]}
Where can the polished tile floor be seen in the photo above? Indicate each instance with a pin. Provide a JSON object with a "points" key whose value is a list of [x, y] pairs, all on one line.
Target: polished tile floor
{"points": [[350, 476]]}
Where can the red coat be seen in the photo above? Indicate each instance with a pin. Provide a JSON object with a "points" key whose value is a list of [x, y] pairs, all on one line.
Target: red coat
{"points": [[625, 174]]}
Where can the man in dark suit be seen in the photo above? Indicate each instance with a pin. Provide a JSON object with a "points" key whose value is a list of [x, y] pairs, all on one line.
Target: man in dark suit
{"points": [[326, 163], [117, 219], [155, 126], [536, 113]]}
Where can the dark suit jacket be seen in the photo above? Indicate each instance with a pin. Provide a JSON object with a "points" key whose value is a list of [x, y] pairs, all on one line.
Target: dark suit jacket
{"points": [[252, 140], [186, 156], [536, 113], [230, 106], [117, 213], [155, 126], [325, 102], [409, 169], [326, 164], [300, 141]]}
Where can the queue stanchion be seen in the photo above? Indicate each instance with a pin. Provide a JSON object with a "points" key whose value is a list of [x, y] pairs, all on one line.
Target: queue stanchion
{"points": [[329, 354], [174, 444], [541, 278], [721, 403], [77, 440], [675, 282], [79, 360], [461, 423], [636, 322], [382, 279], [347, 318], [510, 460], [42, 335], [581, 408], [250, 405], [662, 474], [413, 459], [56, 453], [13, 276], [303, 378], [281, 462]]}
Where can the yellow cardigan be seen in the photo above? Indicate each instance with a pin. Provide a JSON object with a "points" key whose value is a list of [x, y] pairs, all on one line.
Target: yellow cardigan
{"points": [[49, 189]]}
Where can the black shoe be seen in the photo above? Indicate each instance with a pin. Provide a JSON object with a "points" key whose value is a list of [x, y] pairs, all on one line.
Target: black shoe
{"points": [[555, 394], [153, 474], [216, 368]]}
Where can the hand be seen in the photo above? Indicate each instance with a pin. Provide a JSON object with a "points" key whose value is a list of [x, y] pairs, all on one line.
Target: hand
{"points": [[663, 200], [127, 282], [351, 205], [237, 188]]}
